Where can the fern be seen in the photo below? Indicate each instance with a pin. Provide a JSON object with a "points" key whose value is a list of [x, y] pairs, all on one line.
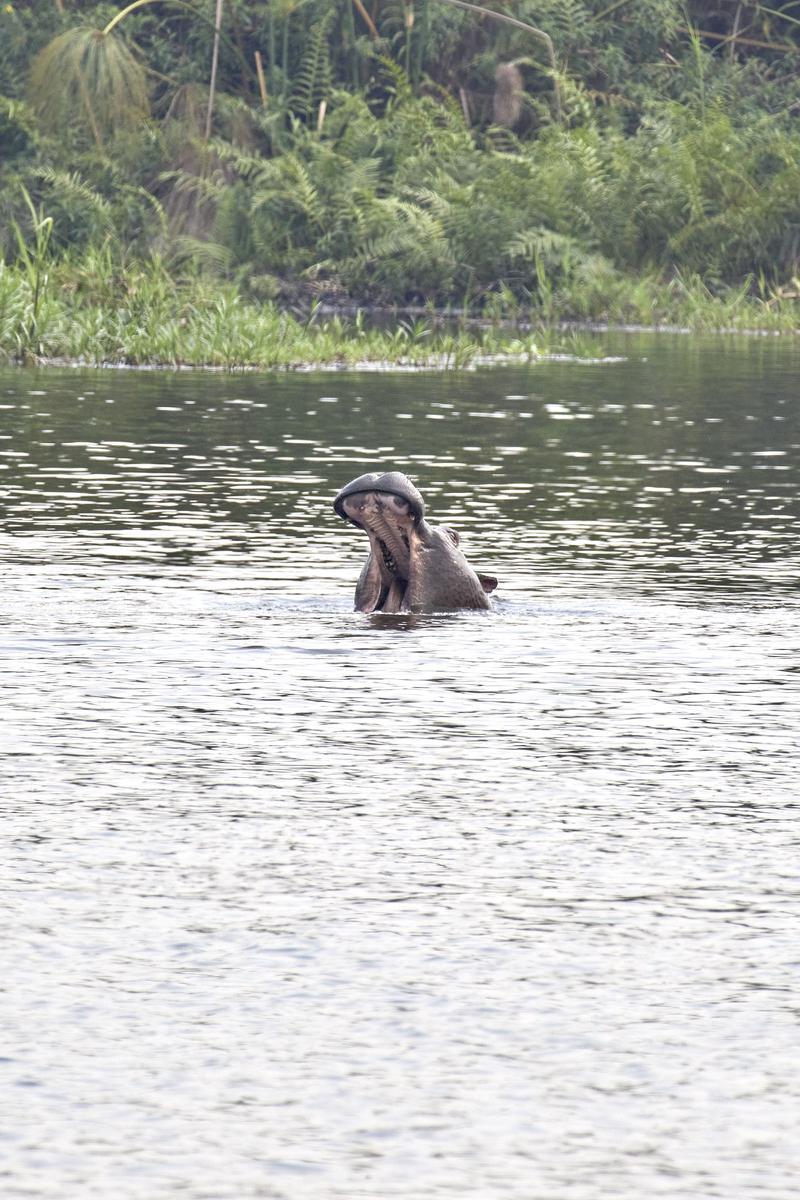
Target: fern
{"points": [[70, 187], [313, 82], [399, 82], [199, 250]]}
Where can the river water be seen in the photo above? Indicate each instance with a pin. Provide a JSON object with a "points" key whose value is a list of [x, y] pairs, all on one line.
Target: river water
{"points": [[300, 903]]}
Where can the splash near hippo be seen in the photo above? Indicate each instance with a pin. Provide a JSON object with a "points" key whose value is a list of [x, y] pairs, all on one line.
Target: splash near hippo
{"points": [[412, 566]]}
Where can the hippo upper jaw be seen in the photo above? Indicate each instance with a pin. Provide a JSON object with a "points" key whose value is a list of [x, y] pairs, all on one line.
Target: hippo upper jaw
{"points": [[390, 484]]}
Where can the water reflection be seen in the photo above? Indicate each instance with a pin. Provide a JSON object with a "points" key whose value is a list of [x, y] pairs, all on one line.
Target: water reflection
{"points": [[306, 903]]}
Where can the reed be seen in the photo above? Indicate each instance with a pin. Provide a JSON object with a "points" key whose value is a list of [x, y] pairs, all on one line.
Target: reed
{"points": [[33, 258]]}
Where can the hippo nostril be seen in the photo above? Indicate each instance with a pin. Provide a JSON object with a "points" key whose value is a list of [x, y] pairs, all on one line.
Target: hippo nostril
{"points": [[354, 504], [401, 507]]}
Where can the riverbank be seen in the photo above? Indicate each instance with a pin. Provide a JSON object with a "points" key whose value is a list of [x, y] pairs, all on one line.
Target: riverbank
{"points": [[92, 314]]}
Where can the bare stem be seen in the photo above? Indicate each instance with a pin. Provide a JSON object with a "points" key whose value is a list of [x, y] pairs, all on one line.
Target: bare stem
{"points": [[214, 61], [123, 13]]}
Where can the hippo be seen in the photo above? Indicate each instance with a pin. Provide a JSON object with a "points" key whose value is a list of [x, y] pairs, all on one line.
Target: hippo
{"points": [[412, 566]]}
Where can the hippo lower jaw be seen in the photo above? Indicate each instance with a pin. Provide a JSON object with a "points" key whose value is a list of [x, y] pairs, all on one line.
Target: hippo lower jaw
{"points": [[412, 566]]}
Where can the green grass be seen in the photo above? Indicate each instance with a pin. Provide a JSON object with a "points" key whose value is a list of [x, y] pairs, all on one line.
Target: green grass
{"points": [[87, 310]]}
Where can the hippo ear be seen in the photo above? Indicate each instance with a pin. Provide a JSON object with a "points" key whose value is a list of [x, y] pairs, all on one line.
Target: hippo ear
{"points": [[451, 533], [487, 582]]}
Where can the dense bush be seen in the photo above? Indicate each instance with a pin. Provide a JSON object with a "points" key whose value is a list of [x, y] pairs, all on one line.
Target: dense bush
{"points": [[662, 144]]}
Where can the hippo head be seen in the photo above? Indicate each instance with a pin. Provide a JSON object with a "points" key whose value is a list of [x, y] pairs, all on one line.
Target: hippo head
{"points": [[412, 566]]}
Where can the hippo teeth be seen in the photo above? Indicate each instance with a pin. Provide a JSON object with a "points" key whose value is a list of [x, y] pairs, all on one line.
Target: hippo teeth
{"points": [[388, 558]]}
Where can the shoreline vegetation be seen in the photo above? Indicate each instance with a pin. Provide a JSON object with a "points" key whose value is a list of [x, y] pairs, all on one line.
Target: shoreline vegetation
{"points": [[81, 312], [272, 184], [88, 312]]}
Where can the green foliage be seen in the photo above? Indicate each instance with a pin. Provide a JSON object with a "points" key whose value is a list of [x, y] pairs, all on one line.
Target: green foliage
{"points": [[33, 257], [313, 81], [94, 311], [17, 129], [89, 79], [667, 175], [78, 212]]}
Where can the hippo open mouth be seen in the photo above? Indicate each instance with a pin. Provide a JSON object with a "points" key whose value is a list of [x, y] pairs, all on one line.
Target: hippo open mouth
{"points": [[412, 566]]}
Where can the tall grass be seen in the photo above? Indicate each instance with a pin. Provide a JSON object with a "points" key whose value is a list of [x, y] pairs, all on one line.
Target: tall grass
{"points": [[98, 313], [33, 259]]}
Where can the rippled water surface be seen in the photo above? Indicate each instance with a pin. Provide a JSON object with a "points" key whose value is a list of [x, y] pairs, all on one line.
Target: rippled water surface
{"points": [[299, 903]]}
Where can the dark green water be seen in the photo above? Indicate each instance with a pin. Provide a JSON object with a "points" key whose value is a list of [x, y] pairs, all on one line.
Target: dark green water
{"points": [[305, 904]]}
